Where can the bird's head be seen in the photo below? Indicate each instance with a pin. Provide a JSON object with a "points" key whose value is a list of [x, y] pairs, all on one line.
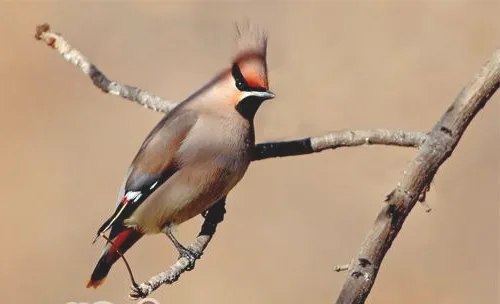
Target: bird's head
{"points": [[244, 85], [248, 72]]}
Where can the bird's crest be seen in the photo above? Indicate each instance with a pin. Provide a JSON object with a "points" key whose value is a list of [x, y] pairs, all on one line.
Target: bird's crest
{"points": [[251, 42]]}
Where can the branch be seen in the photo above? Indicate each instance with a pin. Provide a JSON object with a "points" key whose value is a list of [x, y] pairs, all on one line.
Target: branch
{"points": [[334, 140], [262, 151], [213, 217], [439, 145], [76, 58]]}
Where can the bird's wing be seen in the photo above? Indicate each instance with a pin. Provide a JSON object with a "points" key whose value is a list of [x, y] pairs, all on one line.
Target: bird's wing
{"points": [[154, 163]]}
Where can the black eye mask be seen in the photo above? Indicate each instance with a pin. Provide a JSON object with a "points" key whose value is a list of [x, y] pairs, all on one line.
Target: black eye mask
{"points": [[240, 81]]}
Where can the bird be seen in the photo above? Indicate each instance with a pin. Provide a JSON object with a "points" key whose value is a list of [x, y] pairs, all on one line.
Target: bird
{"points": [[193, 157]]}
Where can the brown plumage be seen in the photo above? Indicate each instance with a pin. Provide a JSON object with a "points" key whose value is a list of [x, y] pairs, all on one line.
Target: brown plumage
{"points": [[194, 156]]}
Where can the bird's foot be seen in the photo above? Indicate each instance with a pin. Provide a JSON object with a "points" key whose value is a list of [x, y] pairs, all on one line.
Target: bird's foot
{"points": [[140, 291], [190, 255]]}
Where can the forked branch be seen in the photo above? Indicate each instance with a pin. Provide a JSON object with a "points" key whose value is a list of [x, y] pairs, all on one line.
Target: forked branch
{"points": [[435, 149], [440, 144]]}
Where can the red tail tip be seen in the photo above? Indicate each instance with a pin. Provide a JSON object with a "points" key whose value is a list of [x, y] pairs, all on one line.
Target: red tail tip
{"points": [[95, 284]]}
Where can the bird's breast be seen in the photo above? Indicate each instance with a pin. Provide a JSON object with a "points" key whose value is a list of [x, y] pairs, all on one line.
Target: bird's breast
{"points": [[212, 159], [225, 142]]}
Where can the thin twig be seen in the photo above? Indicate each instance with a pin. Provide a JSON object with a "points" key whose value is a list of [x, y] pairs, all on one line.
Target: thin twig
{"points": [[76, 58], [339, 268], [422, 198], [439, 145]]}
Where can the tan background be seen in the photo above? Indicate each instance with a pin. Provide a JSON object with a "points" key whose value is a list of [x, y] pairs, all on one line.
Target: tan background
{"points": [[66, 146]]}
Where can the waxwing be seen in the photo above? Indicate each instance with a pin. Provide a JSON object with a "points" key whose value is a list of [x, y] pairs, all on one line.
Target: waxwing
{"points": [[193, 157]]}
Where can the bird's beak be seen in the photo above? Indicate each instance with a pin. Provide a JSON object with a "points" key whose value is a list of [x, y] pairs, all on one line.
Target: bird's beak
{"points": [[264, 95], [270, 95]]}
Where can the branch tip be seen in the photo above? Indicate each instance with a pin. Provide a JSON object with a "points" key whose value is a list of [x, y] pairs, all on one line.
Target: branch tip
{"points": [[340, 268], [40, 29]]}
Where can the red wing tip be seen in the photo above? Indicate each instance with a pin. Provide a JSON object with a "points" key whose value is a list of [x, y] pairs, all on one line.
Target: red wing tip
{"points": [[95, 284]]}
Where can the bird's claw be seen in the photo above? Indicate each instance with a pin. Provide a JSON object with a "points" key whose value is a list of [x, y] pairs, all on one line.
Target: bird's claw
{"points": [[139, 291], [191, 256]]}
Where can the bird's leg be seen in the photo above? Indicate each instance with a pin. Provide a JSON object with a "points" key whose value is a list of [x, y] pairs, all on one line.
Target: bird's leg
{"points": [[184, 252]]}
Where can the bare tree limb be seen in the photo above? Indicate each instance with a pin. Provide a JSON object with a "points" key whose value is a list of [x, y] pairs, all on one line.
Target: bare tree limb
{"points": [[76, 58], [439, 145], [213, 217]]}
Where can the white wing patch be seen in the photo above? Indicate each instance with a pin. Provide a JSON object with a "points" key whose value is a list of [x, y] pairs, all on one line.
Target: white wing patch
{"points": [[133, 195]]}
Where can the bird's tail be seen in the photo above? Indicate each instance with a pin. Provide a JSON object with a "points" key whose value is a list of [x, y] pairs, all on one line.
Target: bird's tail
{"points": [[122, 242]]}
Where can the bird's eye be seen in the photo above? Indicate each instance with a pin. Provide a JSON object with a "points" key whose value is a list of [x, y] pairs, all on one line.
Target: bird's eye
{"points": [[238, 78]]}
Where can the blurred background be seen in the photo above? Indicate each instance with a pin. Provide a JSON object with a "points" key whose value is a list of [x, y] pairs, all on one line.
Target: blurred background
{"points": [[335, 65]]}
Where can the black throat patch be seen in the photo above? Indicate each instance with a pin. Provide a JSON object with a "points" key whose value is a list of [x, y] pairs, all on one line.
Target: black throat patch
{"points": [[249, 105]]}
